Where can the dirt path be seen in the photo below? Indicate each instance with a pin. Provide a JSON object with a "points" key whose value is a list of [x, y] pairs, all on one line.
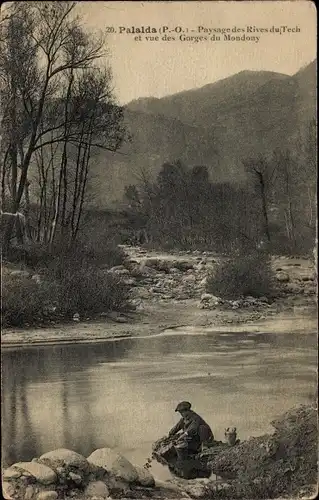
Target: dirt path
{"points": [[166, 290]]}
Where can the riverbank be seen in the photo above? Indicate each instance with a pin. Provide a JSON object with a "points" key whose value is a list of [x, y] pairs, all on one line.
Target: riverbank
{"points": [[168, 294], [282, 464]]}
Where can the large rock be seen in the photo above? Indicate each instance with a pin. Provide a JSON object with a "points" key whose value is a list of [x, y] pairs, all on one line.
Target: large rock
{"points": [[114, 463], [42, 473], [65, 458], [8, 490], [11, 473], [145, 478], [97, 489]]}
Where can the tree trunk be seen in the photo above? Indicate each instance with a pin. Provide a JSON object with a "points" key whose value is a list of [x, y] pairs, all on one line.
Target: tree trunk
{"points": [[264, 206]]}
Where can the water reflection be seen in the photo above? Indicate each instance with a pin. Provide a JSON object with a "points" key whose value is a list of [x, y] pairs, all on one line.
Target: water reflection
{"points": [[122, 394]]}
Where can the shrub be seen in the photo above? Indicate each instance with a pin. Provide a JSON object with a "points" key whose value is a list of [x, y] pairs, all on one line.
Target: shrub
{"points": [[91, 291], [38, 256], [101, 252], [241, 276], [24, 301], [71, 280]]}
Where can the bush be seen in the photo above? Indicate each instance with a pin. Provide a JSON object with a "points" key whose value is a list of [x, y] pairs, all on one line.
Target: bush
{"points": [[72, 281], [91, 291], [38, 256], [24, 301], [84, 291], [242, 275]]}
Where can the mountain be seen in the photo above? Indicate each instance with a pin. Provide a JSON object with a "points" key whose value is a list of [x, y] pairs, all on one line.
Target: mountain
{"points": [[216, 125]]}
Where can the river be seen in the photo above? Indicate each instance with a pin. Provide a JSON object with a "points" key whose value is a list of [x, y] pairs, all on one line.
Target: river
{"points": [[122, 394]]}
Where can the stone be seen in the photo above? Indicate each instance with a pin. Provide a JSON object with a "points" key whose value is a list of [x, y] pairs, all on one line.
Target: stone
{"points": [[42, 473], [206, 296], [130, 281], [120, 272], [190, 278], [36, 278], [147, 271], [196, 489], [117, 317], [64, 457], [76, 478], [114, 463], [11, 473], [282, 277], [8, 491], [29, 492], [47, 495], [97, 489], [20, 274], [174, 270], [145, 478]]}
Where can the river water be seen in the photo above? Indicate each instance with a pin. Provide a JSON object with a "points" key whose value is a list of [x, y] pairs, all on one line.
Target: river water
{"points": [[122, 394]]}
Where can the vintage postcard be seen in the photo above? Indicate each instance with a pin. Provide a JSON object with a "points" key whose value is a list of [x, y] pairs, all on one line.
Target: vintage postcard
{"points": [[159, 250]]}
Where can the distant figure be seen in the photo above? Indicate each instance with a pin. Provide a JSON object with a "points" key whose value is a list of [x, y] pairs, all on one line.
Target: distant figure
{"points": [[194, 431]]}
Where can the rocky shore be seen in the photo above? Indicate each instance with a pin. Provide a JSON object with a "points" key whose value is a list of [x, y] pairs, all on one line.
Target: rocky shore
{"points": [[168, 291], [283, 464]]}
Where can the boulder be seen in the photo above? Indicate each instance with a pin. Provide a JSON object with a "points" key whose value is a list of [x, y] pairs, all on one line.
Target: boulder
{"points": [[8, 490], [97, 489], [65, 458], [11, 473], [42, 473], [114, 463], [145, 478]]}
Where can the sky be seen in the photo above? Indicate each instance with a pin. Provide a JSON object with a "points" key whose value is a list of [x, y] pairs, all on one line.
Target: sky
{"points": [[143, 68]]}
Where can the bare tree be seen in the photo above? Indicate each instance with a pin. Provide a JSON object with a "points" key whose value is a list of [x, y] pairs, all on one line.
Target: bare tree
{"points": [[44, 44], [262, 173]]}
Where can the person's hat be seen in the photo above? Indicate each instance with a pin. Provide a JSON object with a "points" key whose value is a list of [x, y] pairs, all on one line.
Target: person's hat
{"points": [[183, 406]]}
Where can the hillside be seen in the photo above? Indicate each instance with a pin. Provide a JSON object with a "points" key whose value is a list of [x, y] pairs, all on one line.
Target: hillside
{"points": [[216, 125]]}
